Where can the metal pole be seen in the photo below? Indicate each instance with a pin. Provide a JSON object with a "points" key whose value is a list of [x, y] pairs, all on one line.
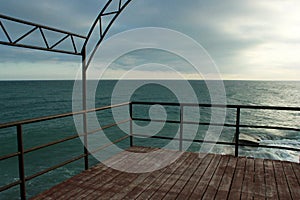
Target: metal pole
{"points": [[21, 162], [84, 108], [237, 131], [131, 128], [181, 127]]}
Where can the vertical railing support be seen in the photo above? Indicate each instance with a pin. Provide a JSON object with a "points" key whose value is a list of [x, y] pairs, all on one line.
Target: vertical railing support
{"points": [[181, 127], [131, 128], [84, 108], [237, 131], [21, 162]]}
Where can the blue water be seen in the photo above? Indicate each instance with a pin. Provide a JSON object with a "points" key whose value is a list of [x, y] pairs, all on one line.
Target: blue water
{"points": [[21, 100]]}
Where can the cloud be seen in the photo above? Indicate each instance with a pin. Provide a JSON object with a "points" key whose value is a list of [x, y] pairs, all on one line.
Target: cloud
{"points": [[76, 16], [243, 37], [146, 56], [149, 74]]}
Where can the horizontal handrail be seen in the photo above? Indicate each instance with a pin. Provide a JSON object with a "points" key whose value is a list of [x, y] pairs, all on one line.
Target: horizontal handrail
{"points": [[184, 139], [108, 144], [108, 126], [21, 151], [237, 125], [215, 142], [10, 185], [51, 117], [61, 140], [54, 167], [7, 156], [287, 108], [216, 124], [52, 143]]}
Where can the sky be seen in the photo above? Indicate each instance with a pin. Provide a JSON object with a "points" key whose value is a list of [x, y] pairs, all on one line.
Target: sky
{"points": [[247, 40]]}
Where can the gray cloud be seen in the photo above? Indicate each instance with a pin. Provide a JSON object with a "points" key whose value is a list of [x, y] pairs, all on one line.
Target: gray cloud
{"points": [[75, 15], [148, 56], [230, 30]]}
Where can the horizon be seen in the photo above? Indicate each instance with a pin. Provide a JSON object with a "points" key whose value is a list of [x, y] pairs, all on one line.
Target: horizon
{"points": [[3, 80]]}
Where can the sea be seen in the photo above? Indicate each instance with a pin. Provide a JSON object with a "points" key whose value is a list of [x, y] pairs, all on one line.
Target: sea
{"points": [[21, 100]]}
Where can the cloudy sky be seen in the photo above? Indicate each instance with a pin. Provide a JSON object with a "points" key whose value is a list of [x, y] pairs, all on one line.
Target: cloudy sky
{"points": [[249, 39]]}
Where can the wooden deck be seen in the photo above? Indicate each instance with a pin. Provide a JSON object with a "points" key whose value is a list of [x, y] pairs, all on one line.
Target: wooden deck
{"points": [[190, 177]]}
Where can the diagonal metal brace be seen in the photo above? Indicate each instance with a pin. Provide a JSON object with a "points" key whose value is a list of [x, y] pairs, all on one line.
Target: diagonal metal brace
{"points": [[19, 42]]}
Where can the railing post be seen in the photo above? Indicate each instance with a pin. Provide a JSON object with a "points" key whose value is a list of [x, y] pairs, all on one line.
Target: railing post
{"points": [[181, 127], [237, 131], [131, 128], [84, 107], [21, 162]]}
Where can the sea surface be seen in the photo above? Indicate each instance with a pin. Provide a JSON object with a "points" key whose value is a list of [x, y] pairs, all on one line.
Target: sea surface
{"points": [[20, 100]]}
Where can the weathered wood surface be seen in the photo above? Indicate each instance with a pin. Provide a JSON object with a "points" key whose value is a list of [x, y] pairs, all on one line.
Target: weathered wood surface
{"points": [[190, 177]]}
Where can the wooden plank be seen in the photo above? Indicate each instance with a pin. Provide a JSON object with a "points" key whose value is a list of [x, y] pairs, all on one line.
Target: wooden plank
{"points": [[122, 178], [192, 183], [184, 179], [149, 184], [248, 183], [224, 187], [136, 189], [282, 185], [205, 179], [65, 189], [147, 165], [296, 168], [238, 178], [216, 179], [172, 180], [271, 189], [67, 182], [291, 180], [259, 179], [110, 188], [123, 192], [88, 186], [68, 191], [149, 190]]}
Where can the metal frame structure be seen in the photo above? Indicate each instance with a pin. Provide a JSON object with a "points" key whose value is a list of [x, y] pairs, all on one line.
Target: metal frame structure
{"points": [[62, 36], [74, 39], [74, 48], [40, 29]]}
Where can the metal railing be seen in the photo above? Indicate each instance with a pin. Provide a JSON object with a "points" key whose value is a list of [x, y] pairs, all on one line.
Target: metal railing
{"points": [[21, 151], [20, 154], [237, 125]]}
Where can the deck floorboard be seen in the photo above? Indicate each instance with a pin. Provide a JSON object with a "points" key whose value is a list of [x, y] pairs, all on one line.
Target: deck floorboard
{"points": [[191, 176]]}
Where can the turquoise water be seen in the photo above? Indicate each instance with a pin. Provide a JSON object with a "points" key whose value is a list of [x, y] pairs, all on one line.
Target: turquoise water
{"points": [[21, 100]]}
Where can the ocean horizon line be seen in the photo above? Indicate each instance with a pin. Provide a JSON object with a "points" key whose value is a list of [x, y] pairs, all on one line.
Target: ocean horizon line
{"points": [[261, 80]]}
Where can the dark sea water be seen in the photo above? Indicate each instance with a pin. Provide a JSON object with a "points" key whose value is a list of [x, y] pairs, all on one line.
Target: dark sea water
{"points": [[21, 100]]}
